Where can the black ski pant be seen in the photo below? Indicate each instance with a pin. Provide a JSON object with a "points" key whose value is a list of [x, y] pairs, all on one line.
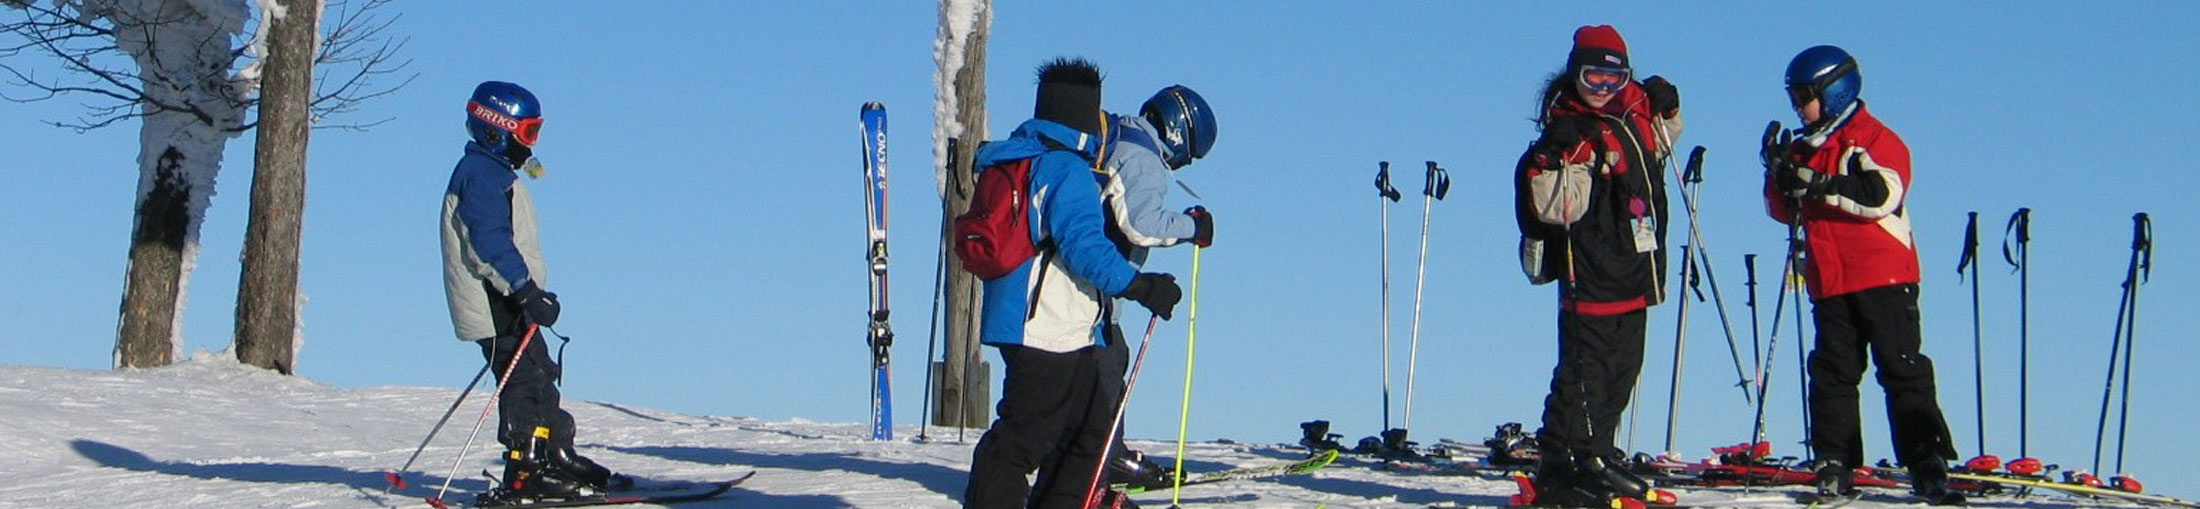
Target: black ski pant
{"points": [[1054, 416], [1881, 325], [1598, 360], [530, 397]]}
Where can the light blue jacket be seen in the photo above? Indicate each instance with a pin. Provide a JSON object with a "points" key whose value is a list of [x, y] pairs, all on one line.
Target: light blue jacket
{"points": [[1136, 190], [1052, 302]]}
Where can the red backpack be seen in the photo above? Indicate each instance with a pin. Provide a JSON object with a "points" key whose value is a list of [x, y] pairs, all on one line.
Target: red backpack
{"points": [[994, 236]]}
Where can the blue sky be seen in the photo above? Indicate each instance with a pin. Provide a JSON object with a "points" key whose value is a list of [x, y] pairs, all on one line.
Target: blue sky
{"points": [[702, 216]]}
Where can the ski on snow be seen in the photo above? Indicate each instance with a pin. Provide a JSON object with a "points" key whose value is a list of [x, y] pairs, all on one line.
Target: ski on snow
{"points": [[881, 337], [1301, 467], [651, 496]]}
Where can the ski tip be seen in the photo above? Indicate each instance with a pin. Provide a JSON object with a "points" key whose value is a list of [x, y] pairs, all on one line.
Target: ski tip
{"points": [[873, 105]]}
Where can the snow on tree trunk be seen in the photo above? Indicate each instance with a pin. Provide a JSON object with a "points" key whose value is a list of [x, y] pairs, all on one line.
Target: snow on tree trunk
{"points": [[193, 107], [268, 302], [958, 117]]}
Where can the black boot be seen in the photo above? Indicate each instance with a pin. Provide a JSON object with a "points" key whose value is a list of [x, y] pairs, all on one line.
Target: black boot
{"points": [[580, 468], [1834, 480], [1132, 468], [529, 475], [1929, 481], [1611, 479], [1558, 484]]}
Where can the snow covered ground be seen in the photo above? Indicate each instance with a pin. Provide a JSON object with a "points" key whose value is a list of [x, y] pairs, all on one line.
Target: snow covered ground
{"points": [[208, 432]]}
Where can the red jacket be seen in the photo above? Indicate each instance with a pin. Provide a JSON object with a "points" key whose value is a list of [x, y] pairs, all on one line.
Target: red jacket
{"points": [[1862, 241], [1623, 160]]}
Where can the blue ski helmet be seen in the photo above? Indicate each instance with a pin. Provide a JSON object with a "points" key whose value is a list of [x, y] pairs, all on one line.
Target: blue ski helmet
{"points": [[501, 112], [1826, 73], [1187, 125]]}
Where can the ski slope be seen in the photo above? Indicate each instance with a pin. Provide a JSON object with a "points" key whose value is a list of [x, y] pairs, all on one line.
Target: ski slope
{"points": [[208, 432]]}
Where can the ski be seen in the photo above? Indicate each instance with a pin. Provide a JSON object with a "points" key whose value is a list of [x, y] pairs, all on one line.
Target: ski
{"points": [[881, 337], [1301, 467], [703, 492]]}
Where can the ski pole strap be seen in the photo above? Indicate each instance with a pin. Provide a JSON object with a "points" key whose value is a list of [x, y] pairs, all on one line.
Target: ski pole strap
{"points": [[1382, 182], [2020, 224], [1970, 247], [1439, 182], [2142, 243], [562, 341], [1694, 173]]}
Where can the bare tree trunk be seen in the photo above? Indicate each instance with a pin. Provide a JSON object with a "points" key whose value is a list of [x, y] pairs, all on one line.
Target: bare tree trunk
{"points": [[267, 290], [965, 391], [146, 336]]}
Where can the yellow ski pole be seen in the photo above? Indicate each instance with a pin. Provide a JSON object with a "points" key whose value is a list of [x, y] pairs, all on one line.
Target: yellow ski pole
{"points": [[1191, 348]]}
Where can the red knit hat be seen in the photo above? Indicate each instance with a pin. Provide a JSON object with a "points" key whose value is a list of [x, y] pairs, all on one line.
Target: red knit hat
{"points": [[1597, 45]]}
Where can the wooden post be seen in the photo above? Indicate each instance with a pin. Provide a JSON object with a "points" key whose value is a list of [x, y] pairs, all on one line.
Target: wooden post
{"points": [[963, 395]]}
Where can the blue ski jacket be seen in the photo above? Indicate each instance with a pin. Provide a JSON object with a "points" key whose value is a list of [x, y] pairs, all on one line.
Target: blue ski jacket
{"points": [[1053, 301], [489, 240]]}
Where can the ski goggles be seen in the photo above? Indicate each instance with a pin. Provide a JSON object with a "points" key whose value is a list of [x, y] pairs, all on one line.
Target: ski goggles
{"points": [[1604, 79], [524, 130], [1801, 94]]}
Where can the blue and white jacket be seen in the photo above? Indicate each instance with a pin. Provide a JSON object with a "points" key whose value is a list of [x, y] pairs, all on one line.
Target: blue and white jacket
{"points": [[1053, 301], [489, 241], [1135, 186]]}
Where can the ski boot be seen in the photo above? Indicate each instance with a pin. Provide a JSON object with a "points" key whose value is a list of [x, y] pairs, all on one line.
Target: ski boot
{"points": [[1929, 482], [581, 468], [1558, 482], [1133, 469], [1315, 436], [1510, 446], [1614, 478], [531, 475], [1833, 479]]}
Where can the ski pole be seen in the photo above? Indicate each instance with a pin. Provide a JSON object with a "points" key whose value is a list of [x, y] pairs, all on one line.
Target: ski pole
{"points": [[503, 379], [1680, 335], [1692, 185], [2020, 223], [1978, 334], [1802, 361], [1385, 195], [1772, 341], [1184, 415], [1092, 491], [932, 335], [396, 481], [1437, 184], [2142, 248], [1756, 340], [2142, 241]]}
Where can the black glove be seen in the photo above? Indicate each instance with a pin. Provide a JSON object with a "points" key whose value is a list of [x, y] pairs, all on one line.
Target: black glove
{"points": [[1774, 151], [1203, 226], [540, 307], [1561, 134], [1664, 99], [1156, 292], [1798, 181]]}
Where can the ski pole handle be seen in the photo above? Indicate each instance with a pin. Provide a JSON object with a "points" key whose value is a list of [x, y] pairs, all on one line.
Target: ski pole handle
{"points": [[1694, 173], [1438, 183], [1382, 182]]}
